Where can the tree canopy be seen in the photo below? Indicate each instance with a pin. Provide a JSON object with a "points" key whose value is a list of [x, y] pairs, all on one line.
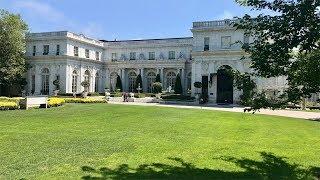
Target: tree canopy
{"points": [[12, 49], [286, 43]]}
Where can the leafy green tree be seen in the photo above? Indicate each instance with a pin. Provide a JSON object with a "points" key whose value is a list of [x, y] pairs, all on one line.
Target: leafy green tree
{"points": [[158, 79], [119, 83], [285, 44], [12, 49], [138, 83], [178, 85]]}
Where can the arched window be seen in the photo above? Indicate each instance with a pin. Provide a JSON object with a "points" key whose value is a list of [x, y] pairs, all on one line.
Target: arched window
{"points": [[74, 81], [97, 79], [189, 81], [87, 77], [151, 78], [132, 76], [171, 79], [45, 76], [113, 81]]}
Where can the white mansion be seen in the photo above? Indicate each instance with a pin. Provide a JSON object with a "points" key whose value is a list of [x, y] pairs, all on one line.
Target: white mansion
{"points": [[73, 58]]}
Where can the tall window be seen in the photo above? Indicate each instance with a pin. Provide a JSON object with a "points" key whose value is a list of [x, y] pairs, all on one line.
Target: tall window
{"points": [[226, 42], [76, 51], [206, 44], [114, 57], [97, 78], [171, 79], [87, 53], [97, 56], [45, 75], [113, 81], [172, 55], [152, 56], [151, 78], [87, 76], [58, 50], [34, 50], [74, 81], [132, 56], [132, 81], [45, 49]]}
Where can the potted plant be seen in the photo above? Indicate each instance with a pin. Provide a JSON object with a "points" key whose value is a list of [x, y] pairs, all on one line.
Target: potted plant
{"points": [[56, 83], [157, 89], [85, 85]]}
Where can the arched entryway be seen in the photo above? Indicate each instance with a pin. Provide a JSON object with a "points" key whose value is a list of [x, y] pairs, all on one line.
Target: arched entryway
{"points": [[224, 85]]}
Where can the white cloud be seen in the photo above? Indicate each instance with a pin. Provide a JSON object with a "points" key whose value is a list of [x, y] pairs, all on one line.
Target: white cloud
{"points": [[39, 9], [226, 15]]}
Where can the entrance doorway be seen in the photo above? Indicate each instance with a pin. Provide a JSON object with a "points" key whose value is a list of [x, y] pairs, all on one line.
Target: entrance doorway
{"points": [[205, 89], [224, 85]]}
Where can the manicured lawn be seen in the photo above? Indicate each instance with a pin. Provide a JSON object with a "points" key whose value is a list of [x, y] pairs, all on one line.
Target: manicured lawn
{"points": [[131, 142]]}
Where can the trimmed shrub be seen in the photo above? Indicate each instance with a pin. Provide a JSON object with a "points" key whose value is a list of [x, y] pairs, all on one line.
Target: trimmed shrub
{"points": [[176, 97], [84, 100], [55, 102], [8, 105], [139, 95], [119, 83], [178, 85], [157, 87]]}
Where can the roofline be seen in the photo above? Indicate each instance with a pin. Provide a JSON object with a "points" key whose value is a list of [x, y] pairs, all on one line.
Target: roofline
{"points": [[137, 40]]}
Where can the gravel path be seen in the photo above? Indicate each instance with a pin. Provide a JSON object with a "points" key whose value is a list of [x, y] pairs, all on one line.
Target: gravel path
{"points": [[285, 113]]}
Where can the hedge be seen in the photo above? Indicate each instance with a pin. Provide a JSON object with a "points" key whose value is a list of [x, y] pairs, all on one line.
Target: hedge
{"points": [[8, 105], [83, 100], [55, 102]]}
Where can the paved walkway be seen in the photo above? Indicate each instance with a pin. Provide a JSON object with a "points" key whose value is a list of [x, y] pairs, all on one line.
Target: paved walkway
{"points": [[284, 113]]}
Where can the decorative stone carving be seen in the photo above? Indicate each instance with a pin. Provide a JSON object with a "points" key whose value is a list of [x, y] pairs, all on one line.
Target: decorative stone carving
{"points": [[142, 57], [161, 56], [123, 57], [182, 55], [205, 67]]}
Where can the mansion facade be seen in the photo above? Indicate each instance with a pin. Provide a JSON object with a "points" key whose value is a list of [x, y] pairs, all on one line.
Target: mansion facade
{"points": [[73, 58]]}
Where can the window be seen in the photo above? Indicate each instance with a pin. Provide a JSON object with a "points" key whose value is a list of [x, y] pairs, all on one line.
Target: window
{"points": [[225, 42], [87, 52], [152, 56], [171, 79], [58, 50], [132, 81], [114, 57], [206, 44], [34, 50], [45, 49], [45, 81], [76, 51], [74, 81], [97, 79], [97, 55], [172, 55], [151, 78], [132, 56], [87, 77]]}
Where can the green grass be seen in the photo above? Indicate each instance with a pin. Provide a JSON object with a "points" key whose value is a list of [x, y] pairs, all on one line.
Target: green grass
{"points": [[131, 142]]}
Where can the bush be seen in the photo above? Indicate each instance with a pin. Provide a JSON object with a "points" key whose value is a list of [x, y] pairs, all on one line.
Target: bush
{"points": [[139, 95], [178, 85], [83, 100], [55, 102], [8, 105], [177, 97], [157, 87], [117, 94], [94, 94]]}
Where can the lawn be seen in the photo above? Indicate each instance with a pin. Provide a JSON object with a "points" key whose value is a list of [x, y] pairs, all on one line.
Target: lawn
{"points": [[132, 142]]}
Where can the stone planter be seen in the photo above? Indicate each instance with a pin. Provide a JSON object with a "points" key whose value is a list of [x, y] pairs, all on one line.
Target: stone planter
{"points": [[84, 94], [56, 92]]}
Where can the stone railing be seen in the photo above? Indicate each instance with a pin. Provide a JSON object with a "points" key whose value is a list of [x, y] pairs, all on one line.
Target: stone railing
{"points": [[213, 24], [47, 34]]}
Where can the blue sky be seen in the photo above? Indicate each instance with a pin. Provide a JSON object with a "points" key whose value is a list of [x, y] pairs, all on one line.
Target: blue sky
{"points": [[121, 19]]}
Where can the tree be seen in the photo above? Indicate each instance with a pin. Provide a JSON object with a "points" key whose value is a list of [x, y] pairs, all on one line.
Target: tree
{"points": [[138, 82], [157, 87], [158, 79], [119, 83], [177, 85], [12, 48], [285, 44]]}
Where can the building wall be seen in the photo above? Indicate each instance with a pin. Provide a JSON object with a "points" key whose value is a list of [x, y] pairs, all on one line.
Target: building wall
{"points": [[191, 62]]}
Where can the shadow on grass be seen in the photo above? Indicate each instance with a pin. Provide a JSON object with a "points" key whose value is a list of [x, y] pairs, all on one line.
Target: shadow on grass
{"points": [[271, 167]]}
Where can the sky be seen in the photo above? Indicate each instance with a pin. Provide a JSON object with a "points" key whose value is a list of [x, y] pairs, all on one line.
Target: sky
{"points": [[122, 19]]}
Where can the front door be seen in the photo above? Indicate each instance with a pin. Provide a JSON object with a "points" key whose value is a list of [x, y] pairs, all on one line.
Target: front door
{"points": [[224, 87], [205, 88]]}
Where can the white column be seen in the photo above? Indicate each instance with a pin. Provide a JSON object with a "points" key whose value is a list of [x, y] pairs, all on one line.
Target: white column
{"points": [[144, 89], [93, 81], [193, 78], [38, 81]]}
